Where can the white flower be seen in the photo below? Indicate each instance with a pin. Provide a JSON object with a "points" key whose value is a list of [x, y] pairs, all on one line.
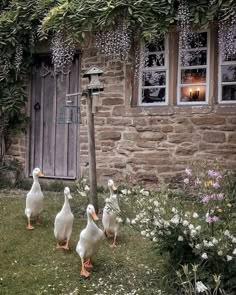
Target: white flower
{"points": [[154, 239], [234, 252], [147, 235], [144, 193], [127, 221], [215, 241], [166, 224], [133, 221], [220, 253], [86, 188], [124, 191], [227, 233], [205, 243], [185, 223], [153, 233], [200, 287], [143, 233], [119, 220], [188, 171], [210, 244], [174, 210], [156, 203], [204, 256], [191, 226], [229, 257], [193, 233], [82, 194], [186, 181], [185, 232], [180, 238], [233, 240], [198, 228], [128, 192], [198, 246], [195, 215], [175, 219]]}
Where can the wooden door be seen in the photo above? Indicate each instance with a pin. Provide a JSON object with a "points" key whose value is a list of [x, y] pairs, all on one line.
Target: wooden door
{"points": [[53, 147]]}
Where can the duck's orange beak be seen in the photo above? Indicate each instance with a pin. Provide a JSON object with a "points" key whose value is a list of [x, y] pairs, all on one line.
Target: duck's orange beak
{"points": [[94, 215], [114, 187], [40, 174]]}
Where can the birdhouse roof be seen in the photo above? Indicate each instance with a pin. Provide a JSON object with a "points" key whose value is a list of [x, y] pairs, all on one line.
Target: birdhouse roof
{"points": [[93, 70]]}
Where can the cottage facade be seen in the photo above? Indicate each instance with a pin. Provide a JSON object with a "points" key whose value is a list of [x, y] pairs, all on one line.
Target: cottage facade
{"points": [[151, 121]]}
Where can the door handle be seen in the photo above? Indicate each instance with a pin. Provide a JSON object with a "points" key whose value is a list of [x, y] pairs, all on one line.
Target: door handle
{"points": [[37, 107]]}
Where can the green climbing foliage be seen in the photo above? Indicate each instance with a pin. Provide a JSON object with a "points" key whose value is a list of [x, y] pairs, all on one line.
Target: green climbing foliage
{"points": [[25, 23]]}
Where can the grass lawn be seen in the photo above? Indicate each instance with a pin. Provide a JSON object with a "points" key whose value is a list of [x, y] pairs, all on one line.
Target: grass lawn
{"points": [[31, 264]]}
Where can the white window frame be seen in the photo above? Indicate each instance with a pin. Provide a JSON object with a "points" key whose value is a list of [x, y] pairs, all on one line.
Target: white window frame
{"points": [[220, 83], [154, 69], [206, 84]]}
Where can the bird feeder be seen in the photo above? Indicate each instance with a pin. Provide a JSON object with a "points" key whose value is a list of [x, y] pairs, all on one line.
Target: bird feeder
{"points": [[69, 113], [94, 86]]}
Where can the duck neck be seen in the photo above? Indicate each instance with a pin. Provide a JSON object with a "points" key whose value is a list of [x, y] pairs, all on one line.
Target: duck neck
{"points": [[66, 205], [89, 219], [111, 191], [36, 184]]}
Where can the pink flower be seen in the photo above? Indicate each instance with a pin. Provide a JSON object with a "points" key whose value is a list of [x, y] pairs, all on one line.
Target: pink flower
{"points": [[188, 171], [213, 173], [209, 219], [215, 218], [186, 181], [216, 185], [220, 196], [206, 199]]}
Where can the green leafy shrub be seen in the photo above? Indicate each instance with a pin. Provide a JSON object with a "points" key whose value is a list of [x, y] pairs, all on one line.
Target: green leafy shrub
{"points": [[199, 228]]}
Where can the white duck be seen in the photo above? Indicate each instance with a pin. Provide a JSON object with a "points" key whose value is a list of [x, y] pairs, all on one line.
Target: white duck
{"points": [[89, 241], [34, 199], [110, 211], [64, 222]]}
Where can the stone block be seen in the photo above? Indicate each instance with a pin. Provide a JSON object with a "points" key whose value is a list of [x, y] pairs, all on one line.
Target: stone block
{"points": [[130, 136], [119, 121], [109, 135], [146, 144], [183, 128], [152, 136], [186, 150], [214, 137], [112, 101], [167, 128], [118, 111], [99, 121], [180, 138], [141, 128], [213, 120], [232, 137]]}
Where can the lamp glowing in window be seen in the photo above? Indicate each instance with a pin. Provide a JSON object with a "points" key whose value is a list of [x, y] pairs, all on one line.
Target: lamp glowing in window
{"points": [[198, 92], [190, 92]]}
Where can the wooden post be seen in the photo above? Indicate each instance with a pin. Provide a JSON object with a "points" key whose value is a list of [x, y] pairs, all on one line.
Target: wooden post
{"points": [[91, 152]]}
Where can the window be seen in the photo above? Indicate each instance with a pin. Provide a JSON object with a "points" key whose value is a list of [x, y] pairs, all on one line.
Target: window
{"points": [[193, 71], [227, 79], [153, 84]]}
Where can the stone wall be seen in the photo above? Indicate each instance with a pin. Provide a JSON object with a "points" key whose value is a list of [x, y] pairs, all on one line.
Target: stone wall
{"points": [[152, 144]]}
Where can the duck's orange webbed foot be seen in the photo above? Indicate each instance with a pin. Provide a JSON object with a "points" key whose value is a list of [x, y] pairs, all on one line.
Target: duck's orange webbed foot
{"points": [[88, 263], [113, 245], [30, 227], [84, 273], [66, 246]]}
